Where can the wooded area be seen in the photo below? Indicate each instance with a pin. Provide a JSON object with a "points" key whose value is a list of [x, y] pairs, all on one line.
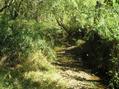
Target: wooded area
{"points": [[59, 44]]}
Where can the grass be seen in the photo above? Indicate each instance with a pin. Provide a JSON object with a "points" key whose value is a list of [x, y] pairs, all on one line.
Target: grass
{"points": [[35, 73], [45, 80]]}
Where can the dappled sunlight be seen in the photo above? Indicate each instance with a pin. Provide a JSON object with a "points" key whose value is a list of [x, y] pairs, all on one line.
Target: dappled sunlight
{"points": [[59, 44]]}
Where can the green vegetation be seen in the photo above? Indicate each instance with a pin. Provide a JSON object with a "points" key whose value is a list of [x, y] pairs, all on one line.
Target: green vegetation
{"points": [[31, 30]]}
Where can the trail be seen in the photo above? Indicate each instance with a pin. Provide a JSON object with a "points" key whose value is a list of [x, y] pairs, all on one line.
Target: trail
{"points": [[77, 75]]}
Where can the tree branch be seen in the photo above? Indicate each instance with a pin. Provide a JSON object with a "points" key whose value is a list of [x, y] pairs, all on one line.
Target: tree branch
{"points": [[6, 5]]}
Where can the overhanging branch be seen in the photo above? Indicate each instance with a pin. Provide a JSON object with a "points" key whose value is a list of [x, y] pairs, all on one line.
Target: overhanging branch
{"points": [[6, 5]]}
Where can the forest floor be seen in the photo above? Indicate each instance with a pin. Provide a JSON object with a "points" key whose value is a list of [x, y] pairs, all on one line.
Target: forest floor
{"points": [[75, 73]]}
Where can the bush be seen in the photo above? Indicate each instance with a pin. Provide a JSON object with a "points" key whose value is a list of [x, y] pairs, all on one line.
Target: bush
{"points": [[25, 53], [19, 38], [102, 43]]}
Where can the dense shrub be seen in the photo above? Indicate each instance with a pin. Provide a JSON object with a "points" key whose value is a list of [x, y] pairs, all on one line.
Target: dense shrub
{"points": [[102, 43], [25, 53], [22, 37]]}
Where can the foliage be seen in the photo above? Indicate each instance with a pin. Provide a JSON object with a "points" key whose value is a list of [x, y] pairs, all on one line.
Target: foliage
{"points": [[29, 29], [97, 23], [23, 48]]}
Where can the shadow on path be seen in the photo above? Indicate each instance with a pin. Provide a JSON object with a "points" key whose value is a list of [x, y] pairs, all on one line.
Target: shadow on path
{"points": [[72, 67]]}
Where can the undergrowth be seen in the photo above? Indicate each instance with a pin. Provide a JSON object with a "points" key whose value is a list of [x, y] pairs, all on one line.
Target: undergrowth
{"points": [[26, 57]]}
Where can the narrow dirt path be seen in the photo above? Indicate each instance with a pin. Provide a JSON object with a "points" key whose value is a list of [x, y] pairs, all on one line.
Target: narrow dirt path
{"points": [[78, 77]]}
